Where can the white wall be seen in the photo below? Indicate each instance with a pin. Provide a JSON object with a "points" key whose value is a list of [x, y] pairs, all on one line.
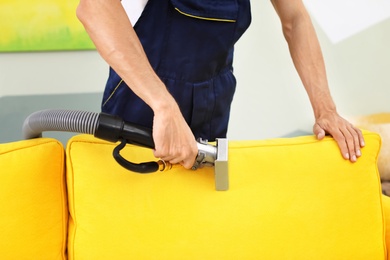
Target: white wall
{"points": [[270, 100], [51, 73]]}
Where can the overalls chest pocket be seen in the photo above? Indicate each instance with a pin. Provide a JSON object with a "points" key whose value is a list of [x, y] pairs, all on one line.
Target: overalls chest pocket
{"points": [[217, 10], [199, 39]]}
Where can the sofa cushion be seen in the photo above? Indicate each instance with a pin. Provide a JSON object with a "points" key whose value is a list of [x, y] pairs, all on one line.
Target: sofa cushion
{"points": [[292, 198], [33, 206]]}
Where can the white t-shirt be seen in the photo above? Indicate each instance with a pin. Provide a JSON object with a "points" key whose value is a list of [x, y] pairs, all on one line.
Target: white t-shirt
{"points": [[134, 9]]}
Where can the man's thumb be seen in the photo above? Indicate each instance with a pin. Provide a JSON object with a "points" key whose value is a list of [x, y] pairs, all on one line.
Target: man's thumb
{"points": [[319, 132]]}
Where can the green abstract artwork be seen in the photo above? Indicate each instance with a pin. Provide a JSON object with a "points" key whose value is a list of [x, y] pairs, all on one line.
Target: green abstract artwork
{"points": [[41, 25]]}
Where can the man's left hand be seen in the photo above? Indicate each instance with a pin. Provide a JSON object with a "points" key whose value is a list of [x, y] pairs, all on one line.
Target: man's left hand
{"points": [[349, 138]]}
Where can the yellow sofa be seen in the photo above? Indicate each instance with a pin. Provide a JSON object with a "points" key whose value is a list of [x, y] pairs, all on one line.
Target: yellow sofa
{"points": [[290, 198]]}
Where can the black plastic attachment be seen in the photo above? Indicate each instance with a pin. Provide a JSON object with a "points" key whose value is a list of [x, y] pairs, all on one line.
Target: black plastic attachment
{"points": [[113, 129], [146, 167]]}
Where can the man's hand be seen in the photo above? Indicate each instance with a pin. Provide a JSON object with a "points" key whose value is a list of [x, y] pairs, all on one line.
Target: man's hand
{"points": [[348, 137], [307, 57], [174, 141]]}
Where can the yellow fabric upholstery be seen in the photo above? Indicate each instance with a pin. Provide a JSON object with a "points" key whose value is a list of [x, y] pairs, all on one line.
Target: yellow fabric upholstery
{"points": [[33, 205], [292, 198], [386, 208]]}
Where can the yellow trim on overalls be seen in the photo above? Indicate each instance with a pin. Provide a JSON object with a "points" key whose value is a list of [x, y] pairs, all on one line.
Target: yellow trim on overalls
{"points": [[205, 18], [113, 92]]}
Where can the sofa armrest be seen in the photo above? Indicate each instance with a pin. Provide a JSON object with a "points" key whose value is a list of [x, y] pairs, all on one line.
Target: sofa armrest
{"points": [[33, 205]]}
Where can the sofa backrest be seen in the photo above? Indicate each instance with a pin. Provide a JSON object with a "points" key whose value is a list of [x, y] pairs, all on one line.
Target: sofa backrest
{"points": [[293, 198]]}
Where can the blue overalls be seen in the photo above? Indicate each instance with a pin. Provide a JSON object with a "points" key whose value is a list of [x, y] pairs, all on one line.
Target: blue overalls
{"points": [[189, 44]]}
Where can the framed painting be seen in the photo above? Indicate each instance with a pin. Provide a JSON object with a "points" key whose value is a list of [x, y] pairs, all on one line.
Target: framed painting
{"points": [[41, 25]]}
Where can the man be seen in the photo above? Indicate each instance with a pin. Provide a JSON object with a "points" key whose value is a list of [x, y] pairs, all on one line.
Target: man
{"points": [[173, 70]]}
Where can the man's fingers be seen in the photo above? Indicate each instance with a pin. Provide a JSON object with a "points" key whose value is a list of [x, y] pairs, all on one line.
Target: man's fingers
{"points": [[181, 156], [358, 136], [188, 163], [349, 140], [319, 132], [342, 142]]}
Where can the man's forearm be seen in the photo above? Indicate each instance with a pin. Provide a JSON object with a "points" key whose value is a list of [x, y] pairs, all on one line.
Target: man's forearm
{"points": [[111, 31], [308, 60], [307, 57]]}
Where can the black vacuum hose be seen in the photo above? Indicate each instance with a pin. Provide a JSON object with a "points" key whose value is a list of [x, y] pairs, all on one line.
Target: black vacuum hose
{"points": [[101, 125]]}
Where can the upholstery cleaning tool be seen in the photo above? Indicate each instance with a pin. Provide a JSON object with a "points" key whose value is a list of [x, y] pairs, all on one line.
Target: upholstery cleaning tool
{"points": [[113, 128]]}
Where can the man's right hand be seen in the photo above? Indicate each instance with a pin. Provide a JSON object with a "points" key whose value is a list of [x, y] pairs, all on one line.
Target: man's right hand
{"points": [[173, 139]]}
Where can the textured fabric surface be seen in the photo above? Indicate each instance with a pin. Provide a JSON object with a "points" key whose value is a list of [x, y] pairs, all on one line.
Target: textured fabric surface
{"points": [[386, 209], [33, 206], [291, 198]]}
